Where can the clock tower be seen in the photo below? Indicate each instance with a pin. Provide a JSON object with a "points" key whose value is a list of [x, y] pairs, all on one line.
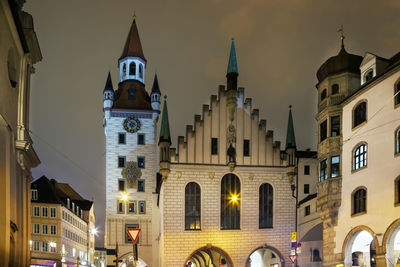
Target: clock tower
{"points": [[130, 123]]}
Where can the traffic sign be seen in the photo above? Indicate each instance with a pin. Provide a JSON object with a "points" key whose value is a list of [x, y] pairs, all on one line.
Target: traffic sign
{"points": [[294, 236], [133, 233], [293, 258], [293, 245]]}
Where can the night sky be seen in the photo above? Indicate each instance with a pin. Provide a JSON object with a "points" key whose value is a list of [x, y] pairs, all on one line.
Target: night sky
{"points": [[279, 45]]}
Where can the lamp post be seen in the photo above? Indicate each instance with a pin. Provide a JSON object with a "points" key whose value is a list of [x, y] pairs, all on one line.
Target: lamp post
{"points": [[292, 173]]}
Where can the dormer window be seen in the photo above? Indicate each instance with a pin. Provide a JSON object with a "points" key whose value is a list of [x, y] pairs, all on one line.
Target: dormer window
{"points": [[369, 75], [323, 94], [335, 89], [132, 68], [34, 194]]}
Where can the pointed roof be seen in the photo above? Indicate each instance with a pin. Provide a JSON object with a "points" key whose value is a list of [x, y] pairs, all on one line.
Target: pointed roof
{"points": [[290, 138], [109, 86], [165, 135], [232, 65], [133, 46], [156, 87]]}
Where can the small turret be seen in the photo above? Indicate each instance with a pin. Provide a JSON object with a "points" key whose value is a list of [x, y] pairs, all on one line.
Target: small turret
{"points": [[164, 143], [156, 95], [108, 97], [290, 140]]}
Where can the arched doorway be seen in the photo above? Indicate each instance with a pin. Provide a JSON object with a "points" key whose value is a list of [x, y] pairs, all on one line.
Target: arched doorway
{"points": [[360, 249], [208, 256], [265, 256], [393, 246]]}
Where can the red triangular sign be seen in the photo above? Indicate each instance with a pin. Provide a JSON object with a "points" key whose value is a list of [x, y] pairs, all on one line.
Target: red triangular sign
{"points": [[293, 258], [133, 233]]}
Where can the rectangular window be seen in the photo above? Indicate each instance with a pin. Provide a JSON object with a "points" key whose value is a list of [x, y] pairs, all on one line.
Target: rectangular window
{"points": [[306, 169], [36, 211], [121, 162], [335, 166], [140, 162], [322, 131], [142, 207], [121, 185], [322, 170], [127, 237], [53, 213], [53, 229], [53, 247], [140, 186], [45, 246], [121, 207], [44, 212], [306, 189], [246, 148], [36, 228], [36, 245], [68, 203], [335, 126], [214, 146], [132, 207], [44, 229], [307, 210], [121, 138], [34, 194], [141, 140]]}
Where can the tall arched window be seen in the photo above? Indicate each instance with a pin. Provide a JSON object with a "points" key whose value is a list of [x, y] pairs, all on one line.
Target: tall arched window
{"points": [[360, 114], [266, 201], [132, 68], [397, 190], [359, 201], [397, 141], [124, 70], [360, 157], [397, 93], [230, 202], [192, 206], [140, 71]]}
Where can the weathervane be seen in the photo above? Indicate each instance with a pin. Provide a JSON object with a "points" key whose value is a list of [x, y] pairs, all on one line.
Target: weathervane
{"points": [[341, 34]]}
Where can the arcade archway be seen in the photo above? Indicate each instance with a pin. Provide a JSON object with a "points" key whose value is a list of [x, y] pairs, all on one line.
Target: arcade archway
{"points": [[265, 256], [360, 249], [208, 256], [392, 242]]}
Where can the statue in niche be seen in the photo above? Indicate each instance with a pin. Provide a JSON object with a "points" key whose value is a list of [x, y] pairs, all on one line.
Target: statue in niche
{"points": [[231, 153]]}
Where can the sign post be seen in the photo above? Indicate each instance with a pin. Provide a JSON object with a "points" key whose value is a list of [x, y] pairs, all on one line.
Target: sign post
{"points": [[293, 248], [134, 234]]}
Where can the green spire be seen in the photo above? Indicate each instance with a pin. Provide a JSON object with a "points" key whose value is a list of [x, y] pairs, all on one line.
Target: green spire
{"points": [[232, 65], [165, 135], [290, 138]]}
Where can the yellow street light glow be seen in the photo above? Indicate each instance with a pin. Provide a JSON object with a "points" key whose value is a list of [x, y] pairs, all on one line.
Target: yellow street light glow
{"points": [[124, 196], [234, 198]]}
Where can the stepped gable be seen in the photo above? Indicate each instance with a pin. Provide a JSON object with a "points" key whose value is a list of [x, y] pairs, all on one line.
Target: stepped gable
{"points": [[195, 147]]}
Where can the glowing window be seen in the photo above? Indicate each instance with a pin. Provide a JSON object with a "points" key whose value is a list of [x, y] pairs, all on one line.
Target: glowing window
{"points": [[230, 202], [360, 157], [192, 206]]}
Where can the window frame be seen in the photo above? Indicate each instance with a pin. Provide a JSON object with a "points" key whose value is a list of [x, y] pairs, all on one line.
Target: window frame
{"points": [[119, 138], [246, 148], [323, 95], [214, 146], [397, 97], [325, 172], [307, 210], [397, 142], [132, 71], [45, 214], [138, 139], [34, 208], [51, 212], [368, 75], [334, 164], [192, 203], [323, 128], [34, 194], [306, 189], [233, 221], [122, 203], [120, 181], [306, 169], [143, 159], [144, 207], [335, 89], [266, 216], [332, 126], [144, 185], [354, 159], [118, 162], [357, 210], [353, 112], [134, 202], [397, 191]]}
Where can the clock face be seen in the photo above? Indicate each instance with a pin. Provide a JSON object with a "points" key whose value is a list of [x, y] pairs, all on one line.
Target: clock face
{"points": [[131, 173], [132, 125]]}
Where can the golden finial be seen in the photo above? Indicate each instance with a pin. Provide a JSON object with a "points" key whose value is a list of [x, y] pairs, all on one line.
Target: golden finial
{"points": [[341, 34], [134, 15]]}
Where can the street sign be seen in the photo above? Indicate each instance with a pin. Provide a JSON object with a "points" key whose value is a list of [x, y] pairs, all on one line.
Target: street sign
{"points": [[293, 258], [294, 236], [133, 233], [298, 249], [293, 245], [292, 252]]}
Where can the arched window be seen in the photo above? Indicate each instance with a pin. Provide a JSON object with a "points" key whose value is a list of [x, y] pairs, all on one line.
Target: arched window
{"points": [[397, 190], [192, 206], [132, 68], [360, 114], [397, 141], [368, 75], [360, 157], [124, 70], [140, 71], [397, 93], [315, 256], [266, 201], [230, 202], [359, 201], [335, 89], [323, 94]]}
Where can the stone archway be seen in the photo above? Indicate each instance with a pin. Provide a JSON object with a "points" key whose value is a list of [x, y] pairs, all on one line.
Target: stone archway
{"points": [[391, 243], [208, 256], [265, 256], [359, 247]]}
